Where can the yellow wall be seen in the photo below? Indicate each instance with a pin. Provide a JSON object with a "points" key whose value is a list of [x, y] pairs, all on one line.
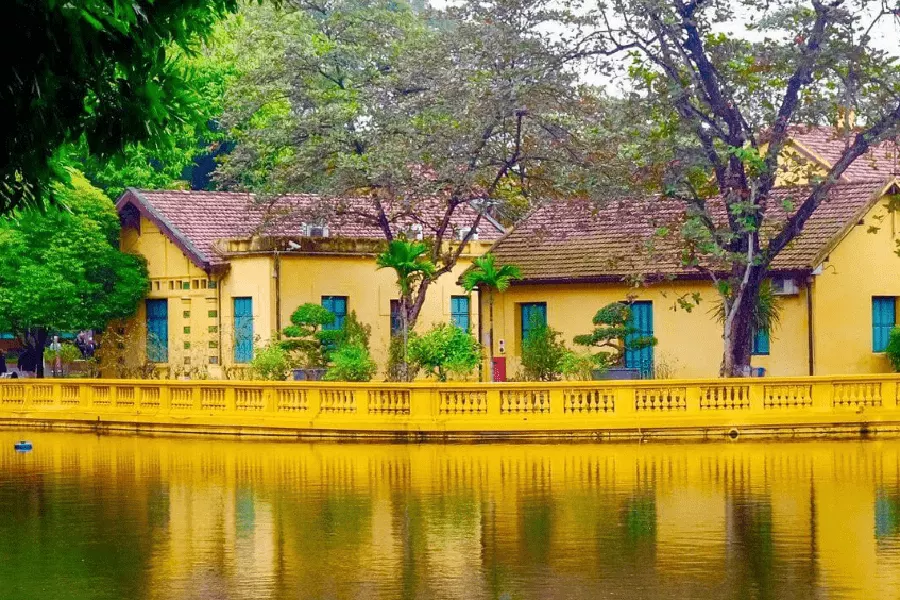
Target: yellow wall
{"points": [[307, 278], [192, 304], [863, 265], [690, 343]]}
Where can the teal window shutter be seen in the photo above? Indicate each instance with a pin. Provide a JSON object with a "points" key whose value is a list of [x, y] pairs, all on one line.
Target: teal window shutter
{"points": [[337, 305], [884, 318], [534, 314], [158, 331], [761, 342], [243, 330], [459, 312], [396, 322], [641, 320]]}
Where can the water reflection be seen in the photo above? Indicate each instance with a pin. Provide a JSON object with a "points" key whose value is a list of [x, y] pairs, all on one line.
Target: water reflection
{"points": [[123, 517]]}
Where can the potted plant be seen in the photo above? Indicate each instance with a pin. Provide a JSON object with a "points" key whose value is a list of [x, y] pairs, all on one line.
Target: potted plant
{"points": [[307, 343], [614, 335]]}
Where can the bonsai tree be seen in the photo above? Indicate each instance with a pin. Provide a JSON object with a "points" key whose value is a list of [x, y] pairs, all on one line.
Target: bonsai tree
{"points": [[409, 260], [614, 335], [485, 273], [350, 360], [305, 340], [445, 350]]}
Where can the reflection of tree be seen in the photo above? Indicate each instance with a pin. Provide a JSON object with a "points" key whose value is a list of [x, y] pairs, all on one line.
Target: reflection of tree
{"points": [[626, 532], [887, 515], [751, 526], [59, 541], [537, 529]]}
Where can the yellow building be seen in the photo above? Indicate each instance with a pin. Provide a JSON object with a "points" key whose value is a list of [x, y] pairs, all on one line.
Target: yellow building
{"points": [[839, 282], [225, 274]]}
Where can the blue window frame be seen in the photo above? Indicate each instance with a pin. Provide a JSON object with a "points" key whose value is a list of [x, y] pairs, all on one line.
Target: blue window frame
{"points": [[396, 323], [534, 314], [158, 330], [761, 342], [460, 312], [338, 307], [884, 318], [243, 330], [641, 319]]}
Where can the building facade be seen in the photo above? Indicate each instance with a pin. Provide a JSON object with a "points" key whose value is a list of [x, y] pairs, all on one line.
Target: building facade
{"points": [[223, 280]]}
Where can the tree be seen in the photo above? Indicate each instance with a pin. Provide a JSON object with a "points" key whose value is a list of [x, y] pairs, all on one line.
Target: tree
{"points": [[399, 120], [543, 353], [98, 73], [445, 350], [63, 270], [410, 262], [721, 107], [306, 340], [614, 334], [484, 273]]}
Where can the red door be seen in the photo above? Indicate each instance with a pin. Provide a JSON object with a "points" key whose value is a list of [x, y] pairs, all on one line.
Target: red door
{"points": [[499, 368]]}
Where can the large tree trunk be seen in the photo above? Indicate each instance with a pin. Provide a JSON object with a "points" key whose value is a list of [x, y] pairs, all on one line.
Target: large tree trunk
{"points": [[738, 330]]}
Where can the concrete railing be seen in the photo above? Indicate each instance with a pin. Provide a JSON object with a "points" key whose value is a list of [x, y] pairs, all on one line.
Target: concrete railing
{"points": [[689, 407]]}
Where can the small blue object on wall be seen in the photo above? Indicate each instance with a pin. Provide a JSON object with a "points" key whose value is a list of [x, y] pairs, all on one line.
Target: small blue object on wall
{"points": [[23, 446]]}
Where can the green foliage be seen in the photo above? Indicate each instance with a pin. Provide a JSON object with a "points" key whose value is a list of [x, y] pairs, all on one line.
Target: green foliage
{"points": [[409, 260], [271, 363], [766, 314], [580, 366], [99, 74], [67, 354], [62, 270], [484, 272], [445, 351], [893, 348], [398, 367], [613, 332], [543, 353], [350, 360], [305, 340]]}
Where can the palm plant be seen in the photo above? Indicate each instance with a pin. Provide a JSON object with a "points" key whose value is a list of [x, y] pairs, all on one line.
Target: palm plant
{"points": [[485, 273], [766, 314], [409, 259]]}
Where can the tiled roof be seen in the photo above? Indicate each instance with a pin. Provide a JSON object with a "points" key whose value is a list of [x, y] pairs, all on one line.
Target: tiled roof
{"points": [[580, 241], [826, 145], [196, 220]]}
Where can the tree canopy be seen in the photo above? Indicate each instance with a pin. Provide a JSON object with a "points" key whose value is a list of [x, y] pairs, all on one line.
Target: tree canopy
{"points": [[98, 74], [63, 270]]}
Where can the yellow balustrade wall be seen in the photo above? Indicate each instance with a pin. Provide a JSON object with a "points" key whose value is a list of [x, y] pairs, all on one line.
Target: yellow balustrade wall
{"points": [[851, 404]]}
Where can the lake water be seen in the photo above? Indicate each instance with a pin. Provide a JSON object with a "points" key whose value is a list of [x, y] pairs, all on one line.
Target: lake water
{"points": [[86, 516]]}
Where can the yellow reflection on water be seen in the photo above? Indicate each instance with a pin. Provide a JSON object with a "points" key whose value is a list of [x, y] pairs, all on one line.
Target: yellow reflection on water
{"points": [[86, 516]]}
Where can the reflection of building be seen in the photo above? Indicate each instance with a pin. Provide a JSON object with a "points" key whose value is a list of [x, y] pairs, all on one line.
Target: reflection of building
{"points": [[269, 520]]}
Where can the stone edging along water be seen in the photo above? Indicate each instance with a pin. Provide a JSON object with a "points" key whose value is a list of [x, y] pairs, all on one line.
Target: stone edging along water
{"points": [[846, 405]]}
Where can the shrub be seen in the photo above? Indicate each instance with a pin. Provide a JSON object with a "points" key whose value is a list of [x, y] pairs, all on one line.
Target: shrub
{"points": [[271, 362], [613, 334], [445, 351], [893, 348], [542, 354], [305, 341], [67, 354], [351, 362], [579, 366]]}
